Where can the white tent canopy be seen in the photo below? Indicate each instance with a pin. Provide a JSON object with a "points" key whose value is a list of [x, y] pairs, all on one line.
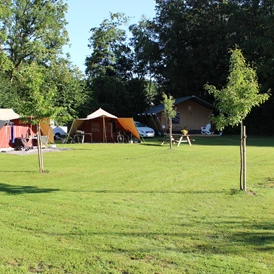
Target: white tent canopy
{"points": [[100, 113], [7, 114]]}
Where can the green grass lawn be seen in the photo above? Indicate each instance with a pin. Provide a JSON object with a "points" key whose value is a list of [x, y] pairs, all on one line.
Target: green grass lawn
{"points": [[139, 208]]}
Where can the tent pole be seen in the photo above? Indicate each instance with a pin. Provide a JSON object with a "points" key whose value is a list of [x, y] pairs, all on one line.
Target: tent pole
{"points": [[104, 130]]}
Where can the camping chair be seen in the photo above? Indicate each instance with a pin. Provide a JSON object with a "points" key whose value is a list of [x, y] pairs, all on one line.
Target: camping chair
{"points": [[21, 144], [206, 129], [79, 136], [44, 141]]}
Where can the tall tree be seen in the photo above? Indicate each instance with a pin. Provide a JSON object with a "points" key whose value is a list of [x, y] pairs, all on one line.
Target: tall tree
{"points": [[33, 30], [111, 94], [138, 95], [146, 49], [41, 83], [110, 72], [236, 100], [146, 56], [70, 86], [192, 42], [108, 46]]}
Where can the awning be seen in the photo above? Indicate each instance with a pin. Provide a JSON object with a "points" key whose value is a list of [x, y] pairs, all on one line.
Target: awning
{"points": [[7, 114]]}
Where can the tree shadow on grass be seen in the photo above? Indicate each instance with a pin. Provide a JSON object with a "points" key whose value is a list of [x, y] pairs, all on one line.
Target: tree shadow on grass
{"points": [[16, 189], [19, 171], [152, 144]]}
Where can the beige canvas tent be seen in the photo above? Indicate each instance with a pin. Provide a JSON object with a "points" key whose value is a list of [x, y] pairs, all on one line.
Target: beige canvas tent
{"points": [[101, 126]]}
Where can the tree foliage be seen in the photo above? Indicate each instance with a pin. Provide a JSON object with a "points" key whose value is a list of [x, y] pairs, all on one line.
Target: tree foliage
{"points": [[169, 113], [146, 49], [37, 98], [32, 34], [70, 88], [34, 79], [111, 81], [236, 100], [33, 30], [110, 93], [240, 95], [108, 46]]}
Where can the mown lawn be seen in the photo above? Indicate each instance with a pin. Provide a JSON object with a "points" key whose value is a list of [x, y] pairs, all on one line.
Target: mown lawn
{"points": [[139, 208]]}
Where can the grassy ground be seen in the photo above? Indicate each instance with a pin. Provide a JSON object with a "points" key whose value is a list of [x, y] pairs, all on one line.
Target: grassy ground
{"points": [[139, 208]]}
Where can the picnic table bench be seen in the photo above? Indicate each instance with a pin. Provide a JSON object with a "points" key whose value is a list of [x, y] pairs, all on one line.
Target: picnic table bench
{"points": [[178, 138]]}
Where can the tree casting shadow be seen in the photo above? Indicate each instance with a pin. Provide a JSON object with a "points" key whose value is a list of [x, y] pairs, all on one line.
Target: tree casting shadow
{"points": [[15, 189]]}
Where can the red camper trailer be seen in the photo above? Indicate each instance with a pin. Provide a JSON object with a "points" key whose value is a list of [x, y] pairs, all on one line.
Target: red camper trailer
{"points": [[15, 131]]}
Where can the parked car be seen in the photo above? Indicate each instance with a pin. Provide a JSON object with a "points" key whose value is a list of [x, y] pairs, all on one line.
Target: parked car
{"points": [[59, 131], [143, 130]]}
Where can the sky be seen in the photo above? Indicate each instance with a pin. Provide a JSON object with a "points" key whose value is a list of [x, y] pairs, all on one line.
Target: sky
{"points": [[83, 15]]}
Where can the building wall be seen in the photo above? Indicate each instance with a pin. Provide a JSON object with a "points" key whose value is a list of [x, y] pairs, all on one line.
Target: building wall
{"points": [[190, 115]]}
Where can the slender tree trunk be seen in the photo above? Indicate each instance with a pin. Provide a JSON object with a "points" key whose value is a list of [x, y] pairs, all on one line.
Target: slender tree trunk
{"points": [[170, 132], [243, 158], [39, 148]]}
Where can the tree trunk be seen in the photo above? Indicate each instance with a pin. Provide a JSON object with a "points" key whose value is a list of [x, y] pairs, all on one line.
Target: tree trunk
{"points": [[39, 148], [243, 158], [170, 132]]}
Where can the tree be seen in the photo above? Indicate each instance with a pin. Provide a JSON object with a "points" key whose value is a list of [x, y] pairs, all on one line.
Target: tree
{"points": [[38, 101], [70, 87], [6, 97], [236, 100], [146, 49], [111, 76], [191, 38], [41, 83], [33, 30], [169, 113], [107, 43], [138, 95], [111, 94]]}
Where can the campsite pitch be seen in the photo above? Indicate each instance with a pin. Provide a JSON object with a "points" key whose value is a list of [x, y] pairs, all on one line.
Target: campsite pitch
{"points": [[139, 208]]}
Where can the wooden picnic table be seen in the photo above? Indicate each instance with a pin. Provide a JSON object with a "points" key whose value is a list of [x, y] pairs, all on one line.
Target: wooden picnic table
{"points": [[182, 139]]}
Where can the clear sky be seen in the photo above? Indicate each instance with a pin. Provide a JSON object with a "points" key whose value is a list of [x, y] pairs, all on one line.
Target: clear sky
{"points": [[83, 15]]}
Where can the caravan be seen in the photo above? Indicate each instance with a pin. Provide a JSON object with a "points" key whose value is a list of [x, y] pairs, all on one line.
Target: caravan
{"points": [[13, 129]]}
